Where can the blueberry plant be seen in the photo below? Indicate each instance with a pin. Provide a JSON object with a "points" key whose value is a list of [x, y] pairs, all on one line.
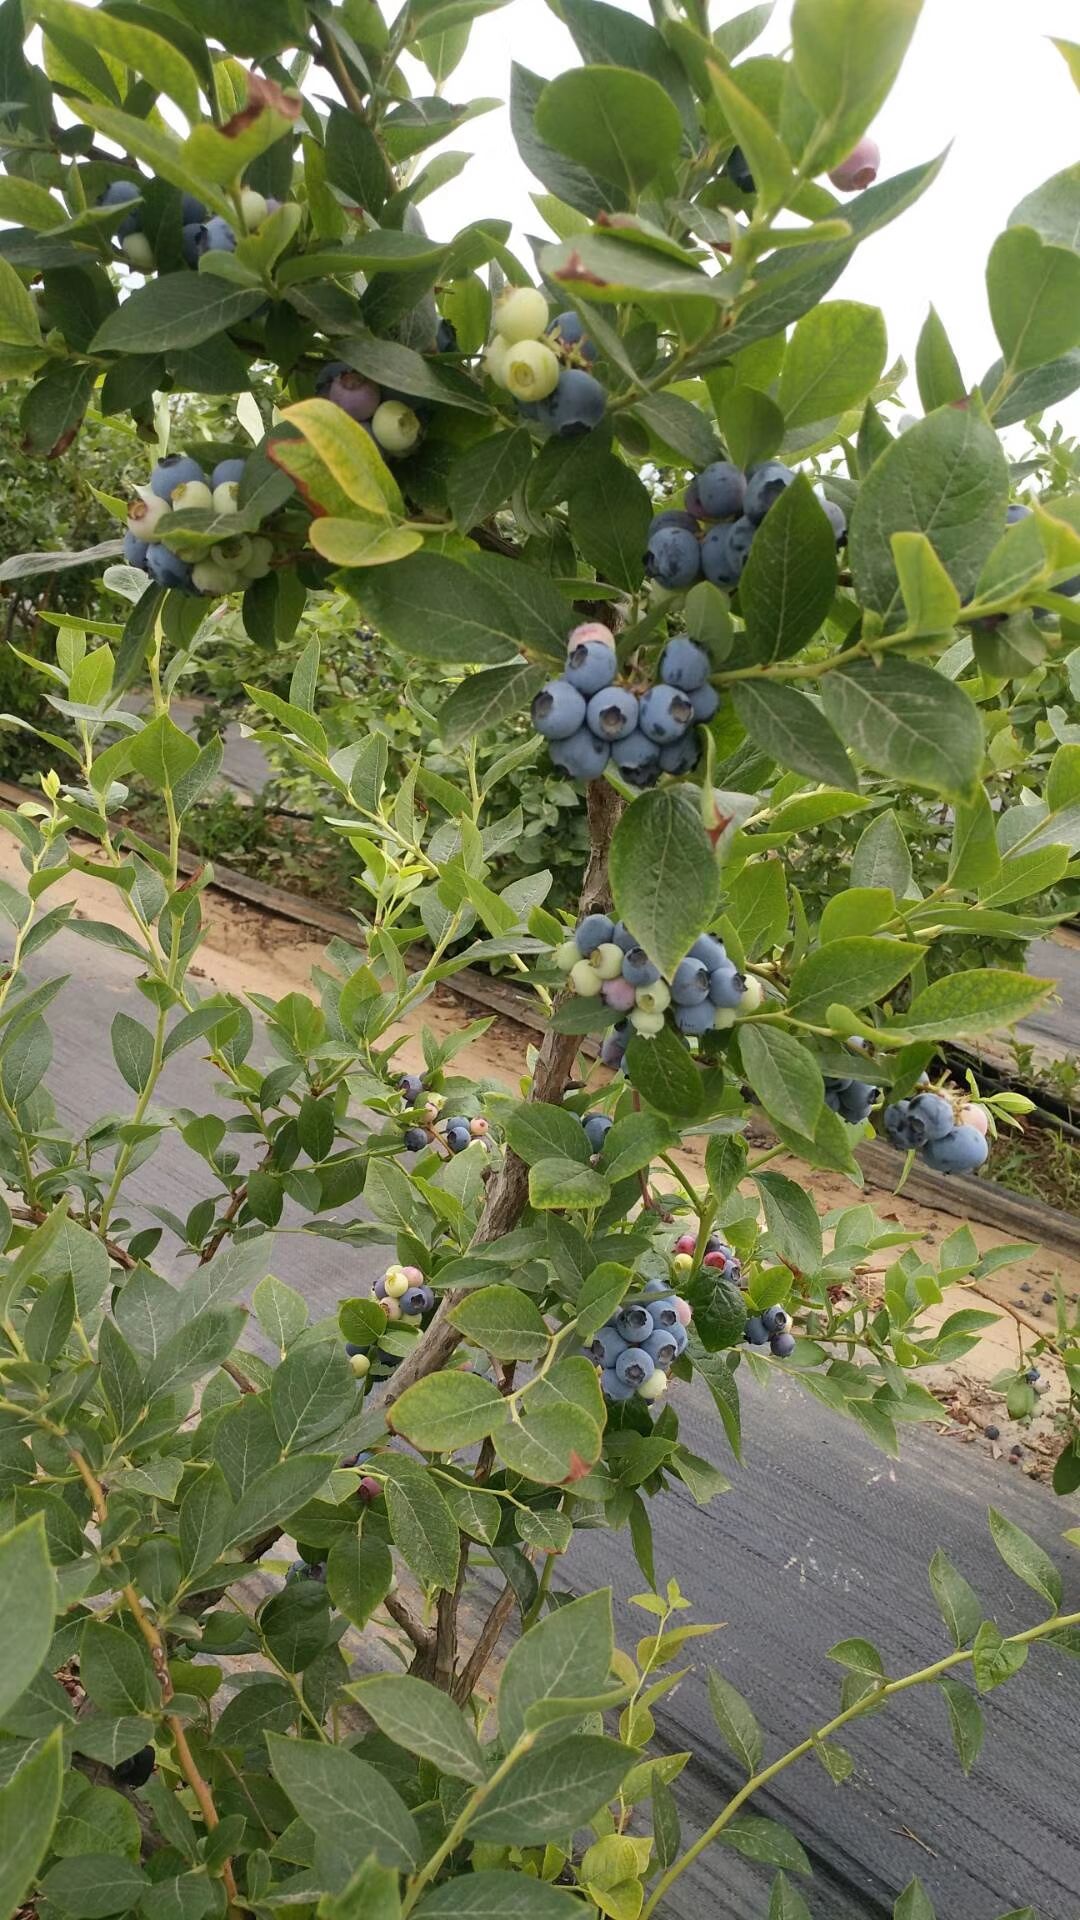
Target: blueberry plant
{"points": [[642, 484]]}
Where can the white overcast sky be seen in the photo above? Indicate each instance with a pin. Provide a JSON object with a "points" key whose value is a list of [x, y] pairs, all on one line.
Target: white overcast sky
{"points": [[980, 74]]}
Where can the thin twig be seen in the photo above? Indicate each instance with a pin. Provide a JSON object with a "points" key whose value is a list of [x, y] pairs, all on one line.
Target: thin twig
{"points": [[422, 1637], [486, 1642]]}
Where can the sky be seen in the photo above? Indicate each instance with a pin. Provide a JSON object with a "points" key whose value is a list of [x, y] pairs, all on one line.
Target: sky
{"points": [[980, 74]]}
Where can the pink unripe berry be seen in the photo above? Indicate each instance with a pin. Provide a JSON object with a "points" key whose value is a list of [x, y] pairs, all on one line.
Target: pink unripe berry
{"points": [[684, 1311], [479, 1127], [619, 995], [413, 1275], [974, 1116], [860, 169], [357, 397], [368, 1489], [391, 1308], [717, 1261], [590, 630], [686, 1243]]}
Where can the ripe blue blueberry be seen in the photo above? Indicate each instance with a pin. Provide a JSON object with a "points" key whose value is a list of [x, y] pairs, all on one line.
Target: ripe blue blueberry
{"points": [[174, 471], [684, 664], [710, 951], [576, 405], [134, 550], [755, 1332], [697, 1019], [566, 333], [117, 194], [458, 1136], [614, 1044], [737, 168], [613, 1388], [931, 1113], [726, 985], [622, 937], [634, 1322], [582, 756], [135, 1771], [673, 517], [661, 1348], [411, 1086], [681, 756], [783, 1345], [634, 1365], [217, 236], [227, 473], [415, 1139], [680, 1337], [191, 209], [664, 714], [596, 1127], [836, 518], [725, 551], [959, 1152], [558, 710], [446, 337], [673, 558], [851, 1099], [591, 666], [636, 756], [328, 373], [776, 1320], [455, 1120], [665, 1313], [638, 968], [1016, 512], [595, 930], [418, 1300], [721, 490], [764, 487], [612, 713], [607, 1346], [690, 983], [167, 569], [191, 242]]}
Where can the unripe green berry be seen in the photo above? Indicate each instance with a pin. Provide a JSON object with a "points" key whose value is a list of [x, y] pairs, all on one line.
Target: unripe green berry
{"points": [[360, 1364], [753, 997], [395, 426], [521, 313], [138, 252], [654, 999], [607, 960], [648, 1024], [567, 956], [654, 1386], [532, 370], [225, 496], [192, 496], [209, 577], [495, 359], [585, 980], [253, 208]]}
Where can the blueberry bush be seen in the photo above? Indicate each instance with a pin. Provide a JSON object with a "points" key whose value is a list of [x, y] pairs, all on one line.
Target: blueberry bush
{"points": [[226, 201]]}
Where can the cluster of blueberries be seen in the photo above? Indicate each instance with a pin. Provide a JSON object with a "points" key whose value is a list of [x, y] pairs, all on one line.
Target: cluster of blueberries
{"points": [[545, 363], [201, 231], [637, 1348], [458, 1131], [681, 551], [853, 1100], [946, 1141], [587, 718], [179, 483], [393, 422], [603, 960], [771, 1328]]}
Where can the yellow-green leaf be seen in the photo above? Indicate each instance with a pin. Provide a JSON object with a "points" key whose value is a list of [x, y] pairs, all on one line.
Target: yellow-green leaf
{"points": [[362, 543], [349, 453], [146, 53]]}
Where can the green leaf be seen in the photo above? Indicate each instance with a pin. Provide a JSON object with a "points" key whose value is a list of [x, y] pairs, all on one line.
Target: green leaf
{"points": [[786, 1902], [492, 1894], [29, 1803], [931, 602], [93, 1885], [752, 425], [439, 609], [266, 1707], [962, 1004], [362, 543], [566, 1183], [858, 971], [552, 1790], [612, 121], [913, 1903], [1034, 294], [1026, 1558], [204, 1521], [449, 1410], [483, 700], [633, 1142], [346, 1802], [147, 53], [421, 1524], [834, 359], [791, 1222], [789, 581], [858, 1656], [572, 183], [847, 53], [881, 858], [26, 1060], [359, 1575], [759, 1839], [312, 1394], [487, 475], [504, 1322], [19, 325], [965, 1720], [994, 1659], [575, 1643], [416, 1716], [770, 162], [280, 1490], [116, 1671], [354, 160], [175, 310], [957, 1601], [735, 1721], [907, 721], [945, 477], [195, 1349], [537, 1130], [27, 1605], [663, 873], [937, 369], [785, 1077], [161, 753], [133, 1051], [403, 370], [609, 522], [553, 1445], [661, 1069], [793, 730]]}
